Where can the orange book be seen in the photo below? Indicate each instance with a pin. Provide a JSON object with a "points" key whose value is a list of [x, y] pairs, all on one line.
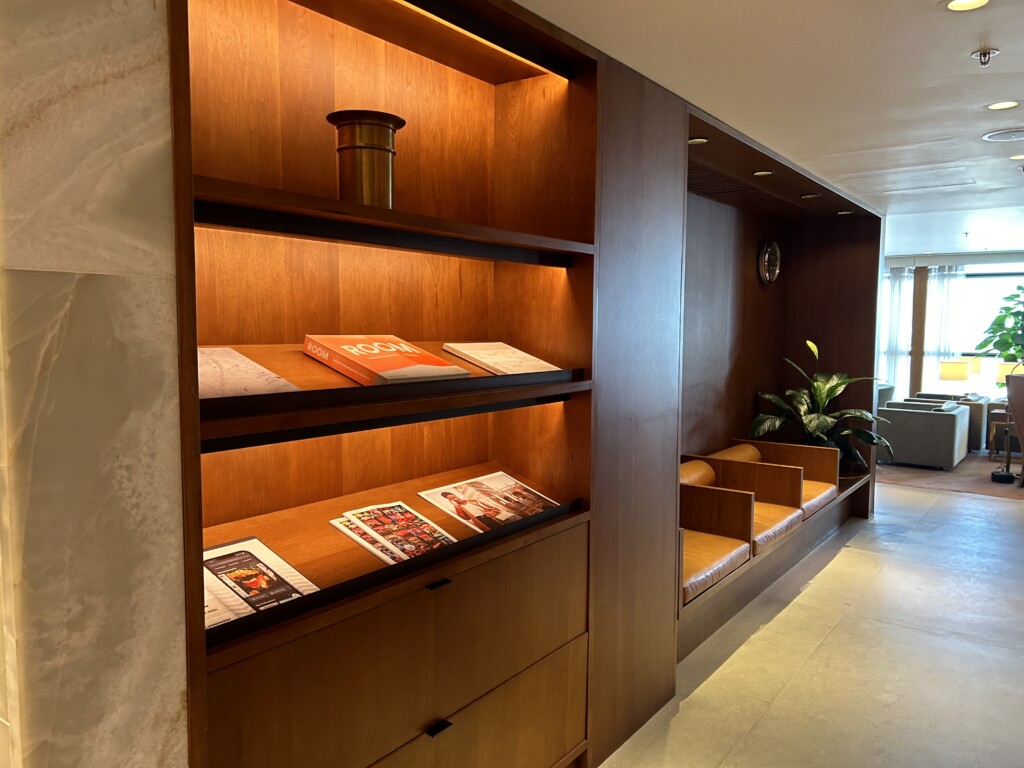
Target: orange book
{"points": [[379, 359]]}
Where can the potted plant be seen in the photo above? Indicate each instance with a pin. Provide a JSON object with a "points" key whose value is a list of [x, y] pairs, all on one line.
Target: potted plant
{"points": [[1005, 334], [807, 409]]}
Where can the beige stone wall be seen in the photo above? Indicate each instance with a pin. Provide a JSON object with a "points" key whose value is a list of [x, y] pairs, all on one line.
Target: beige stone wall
{"points": [[90, 491]]}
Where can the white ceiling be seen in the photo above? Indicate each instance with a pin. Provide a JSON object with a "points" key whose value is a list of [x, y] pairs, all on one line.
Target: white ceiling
{"points": [[880, 98]]}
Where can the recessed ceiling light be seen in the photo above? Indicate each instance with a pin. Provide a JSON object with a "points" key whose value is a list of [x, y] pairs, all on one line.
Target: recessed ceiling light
{"points": [[811, 196], [764, 173], [845, 213], [1004, 105], [698, 140], [1010, 134], [965, 5], [1017, 157]]}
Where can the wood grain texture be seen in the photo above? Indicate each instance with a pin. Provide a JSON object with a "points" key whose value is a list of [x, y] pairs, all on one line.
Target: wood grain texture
{"points": [[188, 385], [533, 720], [307, 722], [820, 464], [734, 324], [255, 481], [773, 483], [544, 146], [635, 469], [466, 645], [304, 537], [721, 511], [296, 66], [404, 26]]}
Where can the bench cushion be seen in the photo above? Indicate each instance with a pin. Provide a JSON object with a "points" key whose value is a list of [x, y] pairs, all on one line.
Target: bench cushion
{"points": [[816, 495], [738, 452], [707, 559], [772, 522]]}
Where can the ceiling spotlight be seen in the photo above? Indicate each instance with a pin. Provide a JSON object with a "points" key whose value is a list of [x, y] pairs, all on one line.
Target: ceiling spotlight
{"points": [[985, 55], [1010, 134], [810, 196], [845, 213], [764, 173], [965, 5], [697, 140], [1004, 105], [1017, 157]]}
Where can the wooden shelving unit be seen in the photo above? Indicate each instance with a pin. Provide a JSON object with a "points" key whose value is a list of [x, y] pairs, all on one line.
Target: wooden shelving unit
{"points": [[329, 403], [258, 209], [491, 239]]}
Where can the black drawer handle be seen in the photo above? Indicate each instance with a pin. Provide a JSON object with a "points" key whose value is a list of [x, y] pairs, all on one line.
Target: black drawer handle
{"points": [[438, 728], [437, 585]]}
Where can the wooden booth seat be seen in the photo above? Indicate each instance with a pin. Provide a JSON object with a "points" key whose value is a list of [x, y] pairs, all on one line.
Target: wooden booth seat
{"points": [[717, 529], [775, 490], [820, 480]]}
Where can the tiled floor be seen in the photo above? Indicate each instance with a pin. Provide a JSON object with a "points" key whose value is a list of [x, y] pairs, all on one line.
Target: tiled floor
{"points": [[897, 643]]}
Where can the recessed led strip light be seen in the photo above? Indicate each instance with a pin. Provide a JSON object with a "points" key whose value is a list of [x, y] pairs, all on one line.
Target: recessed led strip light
{"points": [[810, 196], [845, 213], [1003, 105], [697, 140], [1017, 157], [965, 5], [764, 173]]}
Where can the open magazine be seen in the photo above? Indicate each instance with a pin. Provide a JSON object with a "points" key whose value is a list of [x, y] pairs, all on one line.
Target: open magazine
{"points": [[488, 502], [400, 531], [247, 576]]}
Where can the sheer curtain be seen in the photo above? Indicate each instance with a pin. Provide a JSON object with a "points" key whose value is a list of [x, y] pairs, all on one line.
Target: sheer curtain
{"points": [[897, 306], [938, 322]]}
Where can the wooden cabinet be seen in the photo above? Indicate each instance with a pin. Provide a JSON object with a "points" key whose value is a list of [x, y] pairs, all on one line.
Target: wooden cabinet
{"points": [[351, 692], [536, 719]]}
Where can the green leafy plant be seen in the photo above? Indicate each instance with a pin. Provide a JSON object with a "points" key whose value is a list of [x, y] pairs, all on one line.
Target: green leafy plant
{"points": [[1005, 334], [807, 408]]}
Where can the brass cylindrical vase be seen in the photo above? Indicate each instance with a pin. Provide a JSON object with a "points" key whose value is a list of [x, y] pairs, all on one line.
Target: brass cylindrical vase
{"points": [[366, 155]]}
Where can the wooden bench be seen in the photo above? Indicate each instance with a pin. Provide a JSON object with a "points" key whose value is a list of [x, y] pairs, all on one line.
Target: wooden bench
{"points": [[820, 481], [716, 529]]}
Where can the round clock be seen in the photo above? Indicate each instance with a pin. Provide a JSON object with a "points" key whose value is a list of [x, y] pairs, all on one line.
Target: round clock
{"points": [[768, 258]]}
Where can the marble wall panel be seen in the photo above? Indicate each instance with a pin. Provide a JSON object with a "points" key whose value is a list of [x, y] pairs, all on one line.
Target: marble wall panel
{"points": [[85, 147], [95, 518]]}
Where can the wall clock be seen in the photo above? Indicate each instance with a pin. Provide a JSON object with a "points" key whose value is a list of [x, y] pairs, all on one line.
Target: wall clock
{"points": [[768, 259]]}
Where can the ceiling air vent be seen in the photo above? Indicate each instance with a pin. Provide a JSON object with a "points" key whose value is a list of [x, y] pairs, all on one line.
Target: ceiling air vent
{"points": [[1010, 134]]}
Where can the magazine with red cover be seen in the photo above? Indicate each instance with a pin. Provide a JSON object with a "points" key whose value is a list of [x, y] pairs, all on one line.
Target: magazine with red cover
{"points": [[400, 528], [365, 539], [372, 360], [488, 502]]}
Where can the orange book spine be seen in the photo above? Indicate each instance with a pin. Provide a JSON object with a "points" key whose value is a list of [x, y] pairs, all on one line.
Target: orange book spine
{"points": [[342, 365]]}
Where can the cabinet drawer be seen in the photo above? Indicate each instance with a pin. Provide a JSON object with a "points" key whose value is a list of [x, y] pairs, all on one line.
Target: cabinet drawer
{"points": [[349, 693], [532, 721], [497, 619], [340, 697]]}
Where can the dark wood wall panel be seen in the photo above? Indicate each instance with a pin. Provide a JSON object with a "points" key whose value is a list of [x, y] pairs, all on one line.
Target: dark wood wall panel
{"points": [[834, 268], [733, 323], [642, 183]]}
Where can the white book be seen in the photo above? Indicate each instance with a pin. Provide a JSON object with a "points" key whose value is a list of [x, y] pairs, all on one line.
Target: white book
{"points": [[498, 357]]}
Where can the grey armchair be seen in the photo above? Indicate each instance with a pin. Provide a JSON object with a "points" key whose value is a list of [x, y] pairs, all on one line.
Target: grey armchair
{"points": [[926, 434]]}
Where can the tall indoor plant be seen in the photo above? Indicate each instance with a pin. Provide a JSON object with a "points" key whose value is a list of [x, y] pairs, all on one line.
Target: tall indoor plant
{"points": [[807, 408], [1005, 334]]}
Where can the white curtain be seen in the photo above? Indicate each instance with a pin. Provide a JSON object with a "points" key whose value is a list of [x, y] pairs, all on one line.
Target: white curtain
{"points": [[939, 317], [897, 306]]}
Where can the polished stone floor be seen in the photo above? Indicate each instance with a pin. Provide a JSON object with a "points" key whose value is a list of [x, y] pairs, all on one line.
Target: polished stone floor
{"points": [[899, 643]]}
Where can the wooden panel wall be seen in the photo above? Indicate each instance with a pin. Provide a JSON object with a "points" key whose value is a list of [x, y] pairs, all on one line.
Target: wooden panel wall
{"points": [[734, 324], [642, 183], [834, 269]]}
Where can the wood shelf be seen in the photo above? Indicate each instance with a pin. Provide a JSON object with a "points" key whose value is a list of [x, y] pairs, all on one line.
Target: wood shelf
{"points": [[305, 538], [328, 403], [235, 205]]}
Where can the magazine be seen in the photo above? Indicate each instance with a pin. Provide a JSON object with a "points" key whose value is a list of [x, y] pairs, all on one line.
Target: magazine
{"points": [[364, 538], [401, 529], [247, 576], [488, 502], [498, 357], [372, 360]]}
